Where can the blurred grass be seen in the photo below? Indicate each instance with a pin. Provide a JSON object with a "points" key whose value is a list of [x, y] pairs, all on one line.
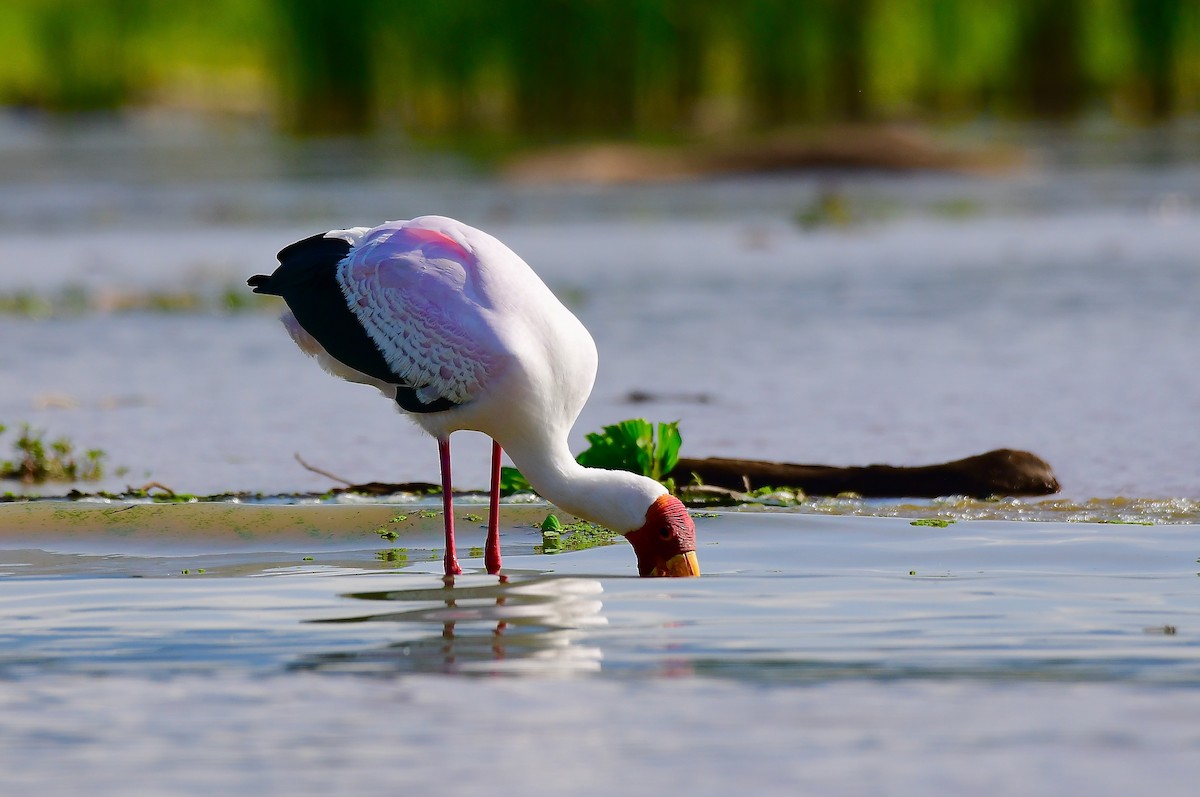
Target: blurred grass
{"points": [[653, 69]]}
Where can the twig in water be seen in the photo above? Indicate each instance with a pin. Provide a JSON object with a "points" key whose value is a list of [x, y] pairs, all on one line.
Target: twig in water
{"points": [[324, 473]]}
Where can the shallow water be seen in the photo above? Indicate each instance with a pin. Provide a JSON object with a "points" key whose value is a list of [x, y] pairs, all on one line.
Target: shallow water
{"points": [[1051, 309], [843, 654], [923, 342], [830, 648], [785, 597]]}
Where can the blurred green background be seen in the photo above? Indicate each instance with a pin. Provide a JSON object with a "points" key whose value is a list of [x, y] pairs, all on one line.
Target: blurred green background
{"points": [[530, 70]]}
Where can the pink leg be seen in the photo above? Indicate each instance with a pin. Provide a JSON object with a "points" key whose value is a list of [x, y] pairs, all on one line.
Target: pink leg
{"points": [[491, 551], [452, 568]]}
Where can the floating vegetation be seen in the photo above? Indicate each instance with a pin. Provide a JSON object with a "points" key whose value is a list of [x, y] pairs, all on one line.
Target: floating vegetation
{"points": [[582, 535], [776, 496], [140, 494], [73, 301], [1165, 630], [159, 494], [936, 522], [551, 534], [1130, 511], [558, 537], [957, 208], [929, 575], [394, 557], [828, 209], [35, 460]]}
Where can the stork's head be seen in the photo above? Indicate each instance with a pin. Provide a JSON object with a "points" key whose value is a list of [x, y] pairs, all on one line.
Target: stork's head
{"points": [[666, 544]]}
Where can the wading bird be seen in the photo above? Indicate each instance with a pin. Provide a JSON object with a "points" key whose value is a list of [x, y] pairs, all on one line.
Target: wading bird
{"points": [[454, 327]]}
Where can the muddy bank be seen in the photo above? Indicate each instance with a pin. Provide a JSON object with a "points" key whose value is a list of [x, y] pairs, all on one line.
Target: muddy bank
{"points": [[880, 148]]}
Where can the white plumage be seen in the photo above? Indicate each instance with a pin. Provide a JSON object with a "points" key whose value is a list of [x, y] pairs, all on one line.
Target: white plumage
{"points": [[457, 329]]}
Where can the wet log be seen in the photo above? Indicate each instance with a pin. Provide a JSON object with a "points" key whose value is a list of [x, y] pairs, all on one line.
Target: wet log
{"points": [[1003, 472]]}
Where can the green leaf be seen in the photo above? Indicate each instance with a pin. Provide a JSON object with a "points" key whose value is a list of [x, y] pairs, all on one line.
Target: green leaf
{"points": [[513, 481], [620, 446], [666, 450], [634, 445]]}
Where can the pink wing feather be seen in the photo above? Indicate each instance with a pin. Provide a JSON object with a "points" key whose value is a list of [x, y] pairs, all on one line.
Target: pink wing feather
{"points": [[413, 290]]}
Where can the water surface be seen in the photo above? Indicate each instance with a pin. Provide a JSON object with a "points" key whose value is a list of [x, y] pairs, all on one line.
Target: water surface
{"points": [[830, 648], [843, 654]]}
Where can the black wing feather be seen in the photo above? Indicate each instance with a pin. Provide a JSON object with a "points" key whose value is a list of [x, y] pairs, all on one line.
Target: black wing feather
{"points": [[307, 281]]}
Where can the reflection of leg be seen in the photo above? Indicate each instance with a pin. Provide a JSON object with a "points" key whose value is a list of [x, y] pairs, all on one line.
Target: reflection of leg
{"points": [[452, 567], [448, 656], [501, 627], [491, 551]]}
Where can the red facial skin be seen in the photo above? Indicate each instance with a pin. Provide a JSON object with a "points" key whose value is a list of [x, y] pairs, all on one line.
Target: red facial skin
{"points": [[666, 544]]}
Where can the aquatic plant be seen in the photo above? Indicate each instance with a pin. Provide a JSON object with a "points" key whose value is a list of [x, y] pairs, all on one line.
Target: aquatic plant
{"points": [[634, 445], [72, 301], [577, 536], [551, 534], [393, 557], [37, 460], [830, 208], [513, 481], [582, 535], [637, 445]]}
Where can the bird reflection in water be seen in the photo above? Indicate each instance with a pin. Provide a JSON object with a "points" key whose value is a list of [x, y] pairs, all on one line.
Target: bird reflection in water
{"points": [[532, 624]]}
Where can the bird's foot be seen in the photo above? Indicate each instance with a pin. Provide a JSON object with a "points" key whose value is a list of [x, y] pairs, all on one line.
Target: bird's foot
{"points": [[452, 566], [492, 563]]}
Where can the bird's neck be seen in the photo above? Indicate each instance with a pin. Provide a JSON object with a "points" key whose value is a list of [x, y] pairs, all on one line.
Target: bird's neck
{"points": [[615, 499]]}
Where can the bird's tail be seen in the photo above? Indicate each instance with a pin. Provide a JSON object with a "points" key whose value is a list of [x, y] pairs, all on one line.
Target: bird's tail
{"points": [[261, 283]]}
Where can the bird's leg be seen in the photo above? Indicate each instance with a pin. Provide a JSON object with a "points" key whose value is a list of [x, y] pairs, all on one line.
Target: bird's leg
{"points": [[491, 550], [452, 567]]}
